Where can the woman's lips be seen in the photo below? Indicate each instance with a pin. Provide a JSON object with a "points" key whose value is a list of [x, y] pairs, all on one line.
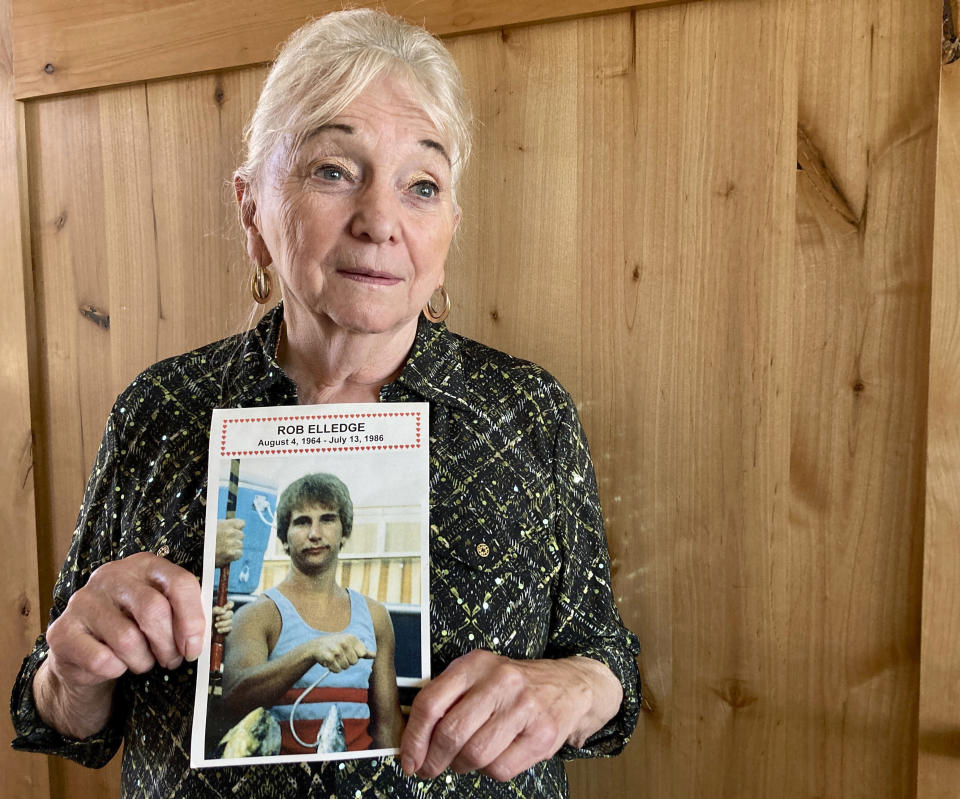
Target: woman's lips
{"points": [[370, 277]]}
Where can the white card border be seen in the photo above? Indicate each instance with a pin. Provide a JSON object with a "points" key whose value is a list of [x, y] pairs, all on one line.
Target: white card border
{"points": [[221, 420]]}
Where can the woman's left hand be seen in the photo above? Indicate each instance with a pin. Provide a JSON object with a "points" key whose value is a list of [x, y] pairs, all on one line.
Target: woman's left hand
{"points": [[500, 716]]}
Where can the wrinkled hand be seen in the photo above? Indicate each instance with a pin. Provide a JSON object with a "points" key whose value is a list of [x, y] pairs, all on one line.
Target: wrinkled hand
{"points": [[223, 618], [339, 651], [500, 716], [131, 614], [229, 541]]}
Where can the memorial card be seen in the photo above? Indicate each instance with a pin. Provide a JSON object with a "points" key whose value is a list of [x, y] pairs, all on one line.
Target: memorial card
{"points": [[314, 581]]}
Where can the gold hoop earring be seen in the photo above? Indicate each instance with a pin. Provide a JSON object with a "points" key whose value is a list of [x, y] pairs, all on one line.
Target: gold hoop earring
{"points": [[437, 316], [261, 285]]}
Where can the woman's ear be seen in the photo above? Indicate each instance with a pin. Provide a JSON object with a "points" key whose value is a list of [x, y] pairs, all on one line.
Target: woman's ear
{"points": [[247, 209]]}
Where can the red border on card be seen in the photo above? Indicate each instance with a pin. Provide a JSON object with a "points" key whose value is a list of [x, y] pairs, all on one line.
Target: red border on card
{"points": [[302, 417]]}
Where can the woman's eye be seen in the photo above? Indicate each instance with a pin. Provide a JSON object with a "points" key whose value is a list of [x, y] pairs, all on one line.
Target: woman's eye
{"points": [[330, 172], [426, 189]]}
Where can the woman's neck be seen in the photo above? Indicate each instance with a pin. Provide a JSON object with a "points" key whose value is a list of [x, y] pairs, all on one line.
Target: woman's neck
{"points": [[330, 364]]}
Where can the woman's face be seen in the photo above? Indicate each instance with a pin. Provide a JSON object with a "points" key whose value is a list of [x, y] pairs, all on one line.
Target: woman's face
{"points": [[358, 221]]}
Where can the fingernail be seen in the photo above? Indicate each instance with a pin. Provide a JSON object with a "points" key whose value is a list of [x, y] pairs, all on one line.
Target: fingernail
{"points": [[175, 663], [193, 646], [406, 763]]}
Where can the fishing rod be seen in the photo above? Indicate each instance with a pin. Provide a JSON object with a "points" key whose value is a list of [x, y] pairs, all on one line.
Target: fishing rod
{"points": [[216, 646]]}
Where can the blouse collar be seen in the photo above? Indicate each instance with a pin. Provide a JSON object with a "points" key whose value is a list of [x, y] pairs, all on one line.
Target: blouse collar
{"points": [[433, 371]]}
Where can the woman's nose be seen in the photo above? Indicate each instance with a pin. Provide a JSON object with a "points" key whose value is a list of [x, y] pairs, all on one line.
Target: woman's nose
{"points": [[376, 217]]}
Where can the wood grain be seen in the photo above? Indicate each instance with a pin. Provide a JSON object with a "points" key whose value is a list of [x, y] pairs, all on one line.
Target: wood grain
{"points": [[652, 277], [60, 47], [939, 735], [72, 305], [686, 286], [512, 257], [868, 110], [20, 614], [747, 345]]}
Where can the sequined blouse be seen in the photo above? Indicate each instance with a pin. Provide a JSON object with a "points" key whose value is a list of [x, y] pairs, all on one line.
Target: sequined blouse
{"points": [[519, 562]]}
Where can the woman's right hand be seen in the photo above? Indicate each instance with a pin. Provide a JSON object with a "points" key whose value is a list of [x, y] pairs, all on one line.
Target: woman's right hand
{"points": [[338, 651], [131, 614]]}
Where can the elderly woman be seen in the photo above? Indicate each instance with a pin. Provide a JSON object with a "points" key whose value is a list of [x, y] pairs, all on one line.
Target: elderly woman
{"points": [[347, 201]]}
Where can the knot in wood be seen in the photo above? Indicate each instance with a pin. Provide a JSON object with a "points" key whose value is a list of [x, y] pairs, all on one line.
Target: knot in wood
{"points": [[95, 315], [735, 693]]}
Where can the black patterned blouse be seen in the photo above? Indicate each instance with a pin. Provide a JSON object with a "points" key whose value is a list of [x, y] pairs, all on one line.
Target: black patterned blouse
{"points": [[519, 562]]}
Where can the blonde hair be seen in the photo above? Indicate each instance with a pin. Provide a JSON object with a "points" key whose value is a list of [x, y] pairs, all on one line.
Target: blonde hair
{"points": [[329, 61]]}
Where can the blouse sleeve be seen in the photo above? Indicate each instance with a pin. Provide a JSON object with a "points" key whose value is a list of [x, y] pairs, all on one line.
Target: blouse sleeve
{"points": [[585, 620], [94, 543]]}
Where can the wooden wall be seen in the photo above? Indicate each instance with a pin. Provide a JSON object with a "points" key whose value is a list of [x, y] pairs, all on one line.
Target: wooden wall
{"points": [[21, 615], [713, 221], [939, 737]]}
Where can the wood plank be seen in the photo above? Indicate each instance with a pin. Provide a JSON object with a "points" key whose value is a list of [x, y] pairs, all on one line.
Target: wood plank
{"points": [[71, 273], [939, 735], [512, 266], [72, 309], [20, 609], [201, 292], [63, 46], [867, 122], [132, 307], [687, 286], [638, 286]]}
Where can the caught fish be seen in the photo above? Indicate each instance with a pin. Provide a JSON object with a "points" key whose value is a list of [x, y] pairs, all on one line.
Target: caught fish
{"points": [[331, 738], [256, 735]]}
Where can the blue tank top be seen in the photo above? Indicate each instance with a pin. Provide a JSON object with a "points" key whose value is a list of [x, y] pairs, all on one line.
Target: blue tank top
{"points": [[347, 689]]}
